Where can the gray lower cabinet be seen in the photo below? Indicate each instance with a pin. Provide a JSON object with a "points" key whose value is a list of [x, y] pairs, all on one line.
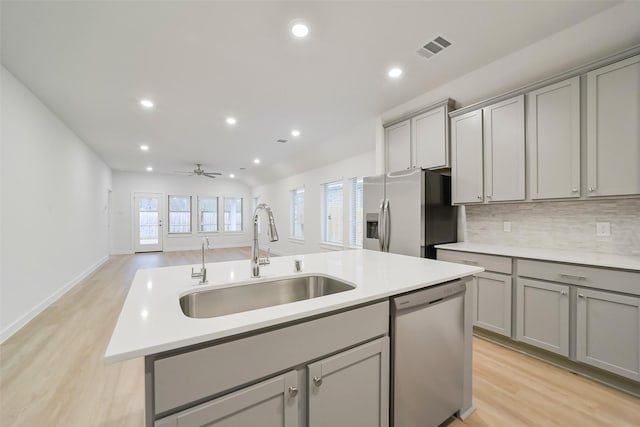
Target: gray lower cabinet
{"points": [[350, 388], [271, 403], [608, 331], [542, 315], [492, 302]]}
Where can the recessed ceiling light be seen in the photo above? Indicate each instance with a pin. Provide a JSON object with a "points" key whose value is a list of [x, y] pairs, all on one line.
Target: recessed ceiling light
{"points": [[149, 169], [144, 147], [231, 120], [256, 161], [146, 103], [300, 30], [231, 175], [295, 132], [394, 73]]}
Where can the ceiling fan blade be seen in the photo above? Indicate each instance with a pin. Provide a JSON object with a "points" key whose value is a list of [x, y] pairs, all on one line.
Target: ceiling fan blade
{"points": [[209, 175], [213, 173]]}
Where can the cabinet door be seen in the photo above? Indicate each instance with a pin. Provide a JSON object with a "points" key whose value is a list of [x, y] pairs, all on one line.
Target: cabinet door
{"points": [[272, 403], [613, 133], [608, 332], [492, 302], [542, 315], [553, 140], [466, 148], [398, 142], [351, 388], [503, 125], [429, 135]]}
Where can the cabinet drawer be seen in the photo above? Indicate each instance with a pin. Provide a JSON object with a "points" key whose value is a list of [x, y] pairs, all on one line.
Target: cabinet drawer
{"points": [[593, 277], [209, 371], [499, 264]]}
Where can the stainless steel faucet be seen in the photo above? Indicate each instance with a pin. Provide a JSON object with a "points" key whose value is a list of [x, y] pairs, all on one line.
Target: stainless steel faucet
{"points": [[202, 275], [272, 232]]}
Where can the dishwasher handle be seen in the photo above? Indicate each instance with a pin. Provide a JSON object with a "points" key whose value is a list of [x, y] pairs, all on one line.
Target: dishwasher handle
{"points": [[431, 295]]}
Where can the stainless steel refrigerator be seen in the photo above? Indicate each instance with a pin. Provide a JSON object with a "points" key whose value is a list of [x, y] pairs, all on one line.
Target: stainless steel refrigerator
{"points": [[408, 212]]}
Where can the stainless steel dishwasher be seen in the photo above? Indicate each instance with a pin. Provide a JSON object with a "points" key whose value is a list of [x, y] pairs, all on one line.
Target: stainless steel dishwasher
{"points": [[428, 346]]}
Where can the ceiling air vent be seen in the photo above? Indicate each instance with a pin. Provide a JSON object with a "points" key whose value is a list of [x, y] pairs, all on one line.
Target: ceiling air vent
{"points": [[433, 47]]}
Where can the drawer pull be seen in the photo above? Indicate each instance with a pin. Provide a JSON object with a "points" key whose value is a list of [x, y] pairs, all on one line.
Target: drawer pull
{"points": [[572, 276], [470, 262], [563, 292], [581, 295]]}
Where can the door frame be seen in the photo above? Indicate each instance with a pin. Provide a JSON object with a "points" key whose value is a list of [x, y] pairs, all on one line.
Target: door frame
{"points": [[134, 221]]}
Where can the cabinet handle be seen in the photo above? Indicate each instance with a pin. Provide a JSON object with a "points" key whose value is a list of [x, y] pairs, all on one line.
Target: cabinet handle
{"points": [[563, 292], [479, 197], [572, 276], [293, 391], [470, 262], [592, 189], [488, 196], [317, 381], [581, 295], [575, 190]]}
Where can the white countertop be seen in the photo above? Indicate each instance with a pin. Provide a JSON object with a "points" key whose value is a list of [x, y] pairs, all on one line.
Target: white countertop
{"points": [[151, 320], [557, 255]]}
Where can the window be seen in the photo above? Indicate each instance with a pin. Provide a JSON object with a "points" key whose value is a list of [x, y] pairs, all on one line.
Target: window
{"points": [[232, 214], [332, 210], [297, 213], [207, 214], [356, 226], [179, 214]]}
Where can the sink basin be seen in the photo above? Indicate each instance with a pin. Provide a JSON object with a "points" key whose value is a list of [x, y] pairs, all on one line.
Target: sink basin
{"points": [[236, 299]]}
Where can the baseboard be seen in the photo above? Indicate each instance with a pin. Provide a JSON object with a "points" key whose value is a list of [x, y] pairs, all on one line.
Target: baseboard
{"points": [[7, 332], [121, 252]]}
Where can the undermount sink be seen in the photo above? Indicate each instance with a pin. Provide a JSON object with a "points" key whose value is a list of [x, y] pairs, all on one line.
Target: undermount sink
{"points": [[236, 299]]}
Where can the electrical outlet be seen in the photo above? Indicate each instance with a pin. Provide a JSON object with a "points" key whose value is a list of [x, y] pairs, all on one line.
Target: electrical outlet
{"points": [[507, 226], [603, 229]]}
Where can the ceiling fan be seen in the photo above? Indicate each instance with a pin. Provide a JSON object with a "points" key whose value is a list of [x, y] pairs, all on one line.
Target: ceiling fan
{"points": [[199, 172]]}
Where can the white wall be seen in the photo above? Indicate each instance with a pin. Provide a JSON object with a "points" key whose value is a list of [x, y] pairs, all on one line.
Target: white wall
{"points": [[54, 211], [278, 196], [125, 184]]}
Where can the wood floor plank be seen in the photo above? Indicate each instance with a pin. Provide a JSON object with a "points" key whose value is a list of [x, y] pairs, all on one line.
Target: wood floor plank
{"points": [[52, 372]]}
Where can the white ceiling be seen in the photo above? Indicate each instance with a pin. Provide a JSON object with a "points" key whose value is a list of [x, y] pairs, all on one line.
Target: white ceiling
{"points": [[91, 62]]}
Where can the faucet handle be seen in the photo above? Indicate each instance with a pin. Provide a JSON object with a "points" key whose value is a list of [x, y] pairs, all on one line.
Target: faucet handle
{"points": [[195, 275]]}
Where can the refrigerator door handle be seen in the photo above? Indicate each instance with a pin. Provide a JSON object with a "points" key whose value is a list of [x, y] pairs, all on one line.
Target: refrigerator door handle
{"points": [[381, 226], [387, 225]]}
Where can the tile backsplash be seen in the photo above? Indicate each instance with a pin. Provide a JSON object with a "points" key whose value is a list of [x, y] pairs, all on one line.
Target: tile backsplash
{"points": [[558, 225]]}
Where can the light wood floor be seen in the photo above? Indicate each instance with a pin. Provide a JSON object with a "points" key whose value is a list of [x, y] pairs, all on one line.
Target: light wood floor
{"points": [[52, 372]]}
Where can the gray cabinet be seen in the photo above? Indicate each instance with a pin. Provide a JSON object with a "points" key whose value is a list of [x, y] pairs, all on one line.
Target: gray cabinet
{"points": [[430, 139], [503, 129], [398, 146], [351, 388], [613, 134], [421, 140], [271, 403], [553, 140], [542, 315], [466, 158], [492, 302], [608, 331]]}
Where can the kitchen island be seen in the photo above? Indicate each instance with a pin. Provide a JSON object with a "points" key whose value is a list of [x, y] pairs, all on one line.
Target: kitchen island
{"points": [[274, 360]]}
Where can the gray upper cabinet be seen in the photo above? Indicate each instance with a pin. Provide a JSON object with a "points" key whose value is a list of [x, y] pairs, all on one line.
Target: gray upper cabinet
{"points": [[542, 317], [608, 332], [553, 140], [466, 162], [421, 140], [504, 169], [613, 133], [272, 403], [351, 388], [429, 139], [398, 146]]}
